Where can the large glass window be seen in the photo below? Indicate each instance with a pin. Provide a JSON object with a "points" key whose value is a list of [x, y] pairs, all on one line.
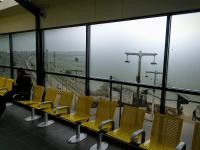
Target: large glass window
{"points": [[65, 50], [24, 50], [110, 42], [4, 50], [74, 85], [5, 72], [184, 70]]}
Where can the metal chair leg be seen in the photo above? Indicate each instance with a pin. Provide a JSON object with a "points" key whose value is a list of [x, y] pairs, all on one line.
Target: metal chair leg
{"points": [[99, 145], [46, 121], [33, 116], [78, 136], [9, 104]]}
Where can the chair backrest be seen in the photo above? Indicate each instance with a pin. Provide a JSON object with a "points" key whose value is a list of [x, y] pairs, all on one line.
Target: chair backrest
{"points": [[166, 131], [51, 94], [9, 83], [105, 110], [196, 137], [132, 118], [38, 92], [66, 98], [2, 82], [83, 105]]}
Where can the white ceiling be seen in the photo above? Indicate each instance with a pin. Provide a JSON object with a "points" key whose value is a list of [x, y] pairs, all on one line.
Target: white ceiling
{"points": [[4, 4]]}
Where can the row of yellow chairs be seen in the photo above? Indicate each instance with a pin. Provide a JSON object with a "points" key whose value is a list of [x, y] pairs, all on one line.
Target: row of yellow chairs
{"points": [[165, 133], [5, 85]]}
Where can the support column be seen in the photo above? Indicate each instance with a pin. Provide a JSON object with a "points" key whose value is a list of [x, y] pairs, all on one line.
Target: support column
{"points": [[87, 69], [165, 64]]}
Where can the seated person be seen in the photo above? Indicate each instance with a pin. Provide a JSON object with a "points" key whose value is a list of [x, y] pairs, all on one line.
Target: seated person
{"points": [[21, 90]]}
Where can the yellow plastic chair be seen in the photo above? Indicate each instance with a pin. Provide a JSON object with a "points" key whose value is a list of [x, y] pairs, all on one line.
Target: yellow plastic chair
{"points": [[64, 104], [131, 125], [105, 113], [49, 102], [2, 82], [36, 98], [165, 133], [196, 137], [82, 114], [2, 86], [7, 86]]}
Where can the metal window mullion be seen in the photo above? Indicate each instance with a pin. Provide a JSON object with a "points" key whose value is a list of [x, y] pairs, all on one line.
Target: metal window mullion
{"points": [[165, 64], [39, 52], [87, 68]]}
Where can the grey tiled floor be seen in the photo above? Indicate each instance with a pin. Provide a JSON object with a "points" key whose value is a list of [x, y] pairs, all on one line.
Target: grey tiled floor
{"points": [[16, 134]]}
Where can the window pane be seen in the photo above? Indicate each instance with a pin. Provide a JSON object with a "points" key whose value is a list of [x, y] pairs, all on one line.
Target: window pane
{"points": [[110, 41], [184, 70], [4, 50], [75, 85], [5, 72], [24, 50], [100, 89], [65, 50]]}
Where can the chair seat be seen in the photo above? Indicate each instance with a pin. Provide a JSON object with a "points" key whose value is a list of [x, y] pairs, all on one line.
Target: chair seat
{"points": [[75, 118], [42, 107], [52, 112], [27, 102], [93, 125], [149, 146], [145, 145], [121, 135]]}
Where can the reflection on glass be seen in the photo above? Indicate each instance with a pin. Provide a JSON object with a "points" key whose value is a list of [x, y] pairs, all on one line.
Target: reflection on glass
{"points": [[75, 85], [65, 50], [4, 50], [24, 50], [110, 42], [5, 72], [184, 70], [32, 74]]}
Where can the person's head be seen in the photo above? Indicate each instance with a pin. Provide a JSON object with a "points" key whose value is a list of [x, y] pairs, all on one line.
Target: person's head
{"points": [[20, 72]]}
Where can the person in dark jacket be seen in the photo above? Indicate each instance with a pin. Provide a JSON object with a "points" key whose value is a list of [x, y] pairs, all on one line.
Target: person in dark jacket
{"points": [[21, 90], [194, 115]]}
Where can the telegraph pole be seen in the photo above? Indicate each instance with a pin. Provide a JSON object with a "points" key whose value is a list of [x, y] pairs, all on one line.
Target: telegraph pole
{"points": [[155, 73], [140, 54]]}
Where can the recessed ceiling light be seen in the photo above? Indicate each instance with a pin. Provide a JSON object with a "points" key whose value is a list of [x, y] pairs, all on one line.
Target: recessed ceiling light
{"points": [[1, 0]]}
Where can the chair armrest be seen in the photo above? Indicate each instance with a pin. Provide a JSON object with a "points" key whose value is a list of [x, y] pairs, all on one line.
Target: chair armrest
{"points": [[17, 95], [137, 133], [46, 102], [61, 108], [105, 122], [181, 146]]}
